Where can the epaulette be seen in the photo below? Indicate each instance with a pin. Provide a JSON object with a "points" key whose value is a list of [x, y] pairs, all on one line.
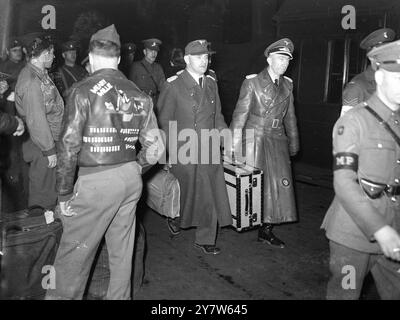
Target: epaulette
{"points": [[251, 76], [288, 78], [211, 77], [180, 71], [170, 79]]}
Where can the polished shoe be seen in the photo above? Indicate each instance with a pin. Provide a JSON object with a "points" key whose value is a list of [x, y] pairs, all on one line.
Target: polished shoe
{"points": [[266, 236], [173, 226], [208, 248]]}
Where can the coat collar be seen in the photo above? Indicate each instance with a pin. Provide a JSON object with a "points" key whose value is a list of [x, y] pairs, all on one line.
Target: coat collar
{"points": [[377, 104], [188, 80]]}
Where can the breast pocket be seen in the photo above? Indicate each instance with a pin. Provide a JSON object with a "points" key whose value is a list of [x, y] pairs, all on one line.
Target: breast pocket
{"points": [[377, 158]]}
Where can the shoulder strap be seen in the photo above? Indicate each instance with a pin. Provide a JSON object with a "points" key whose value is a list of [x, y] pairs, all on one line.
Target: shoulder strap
{"points": [[151, 75], [70, 73], [384, 124]]}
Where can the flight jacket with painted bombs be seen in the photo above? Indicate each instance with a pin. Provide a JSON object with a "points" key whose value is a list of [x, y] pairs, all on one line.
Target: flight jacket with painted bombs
{"points": [[106, 114]]}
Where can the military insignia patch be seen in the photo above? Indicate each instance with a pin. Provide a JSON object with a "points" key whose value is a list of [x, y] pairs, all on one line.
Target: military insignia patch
{"points": [[340, 130], [285, 182]]}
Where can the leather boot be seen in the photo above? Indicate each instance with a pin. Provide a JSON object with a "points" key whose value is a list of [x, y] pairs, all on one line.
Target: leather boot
{"points": [[265, 235]]}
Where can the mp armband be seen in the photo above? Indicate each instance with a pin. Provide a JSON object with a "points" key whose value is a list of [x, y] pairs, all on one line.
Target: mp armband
{"points": [[345, 160]]}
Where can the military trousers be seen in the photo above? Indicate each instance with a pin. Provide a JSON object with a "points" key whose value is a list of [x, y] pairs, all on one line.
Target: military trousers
{"points": [[42, 179], [349, 268], [99, 282], [105, 204]]}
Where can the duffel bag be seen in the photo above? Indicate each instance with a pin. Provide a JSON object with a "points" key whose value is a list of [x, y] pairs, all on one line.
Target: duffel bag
{"points": [[163, 194]]}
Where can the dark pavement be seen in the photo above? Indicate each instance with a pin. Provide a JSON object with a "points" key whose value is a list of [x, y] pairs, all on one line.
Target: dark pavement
{"points": [[245, 269]]}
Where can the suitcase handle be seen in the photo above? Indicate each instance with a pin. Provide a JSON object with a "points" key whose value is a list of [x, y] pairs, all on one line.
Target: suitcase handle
{"points": [[246, 202]]}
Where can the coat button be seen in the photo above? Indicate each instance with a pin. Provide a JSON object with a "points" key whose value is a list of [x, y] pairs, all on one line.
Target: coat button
{"points": [[398, 161], [379, 145], [393, 199], [396, 121], [396, 180], [212, 101]]}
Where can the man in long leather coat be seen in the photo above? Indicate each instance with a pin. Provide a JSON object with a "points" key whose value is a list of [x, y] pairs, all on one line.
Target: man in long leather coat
{"points": [[363, 221], [106, 115], [266, 105], [191, 100]]}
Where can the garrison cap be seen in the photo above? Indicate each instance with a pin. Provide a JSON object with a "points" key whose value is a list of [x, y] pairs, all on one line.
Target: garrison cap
{"points": [[107, 34], [69, 45], [13, 43], [129, 47], [283, 46], [152, 44], [377, 38], [197, 47], [386, 56]]}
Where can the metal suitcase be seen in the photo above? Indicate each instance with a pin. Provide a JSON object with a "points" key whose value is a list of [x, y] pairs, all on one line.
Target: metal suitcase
{"points": [[245, 186]]}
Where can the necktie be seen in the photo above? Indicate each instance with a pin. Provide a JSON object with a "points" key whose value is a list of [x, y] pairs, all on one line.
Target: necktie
{"points": [[201, 82], [276, 82]]}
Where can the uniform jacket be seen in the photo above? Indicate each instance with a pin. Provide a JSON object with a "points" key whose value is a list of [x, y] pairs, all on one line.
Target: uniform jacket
{"points": [[268, 109], [148, 77], [8, 123], [41, 106], [106, 114], [203, 190], [353, 218], [359, 89], [68, 76]]}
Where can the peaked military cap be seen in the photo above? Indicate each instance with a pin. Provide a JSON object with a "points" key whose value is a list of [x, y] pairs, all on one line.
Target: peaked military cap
{"points": [[107, 34], [69, 45], [197, 47], [129, 47], [283, 46], [152, 44], [377, 38], [386, 56], [13, 43]]}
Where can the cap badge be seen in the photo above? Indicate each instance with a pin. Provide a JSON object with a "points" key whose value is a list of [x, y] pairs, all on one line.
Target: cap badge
{"points": [[286, 43], [385, 35]]}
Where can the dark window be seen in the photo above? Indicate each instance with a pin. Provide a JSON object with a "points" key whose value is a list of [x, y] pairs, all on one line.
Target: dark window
{"points": [[336, 61], [357, 60], [345, 60]]}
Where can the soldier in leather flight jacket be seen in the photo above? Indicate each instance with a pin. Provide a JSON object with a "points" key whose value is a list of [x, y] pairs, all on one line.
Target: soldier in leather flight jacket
{"points": [[106, 115], [363, 221], [266, 105], [41, 107]]}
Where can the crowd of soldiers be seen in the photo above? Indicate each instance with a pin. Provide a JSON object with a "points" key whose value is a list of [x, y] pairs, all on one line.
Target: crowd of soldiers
{"points": [[83, 123]]}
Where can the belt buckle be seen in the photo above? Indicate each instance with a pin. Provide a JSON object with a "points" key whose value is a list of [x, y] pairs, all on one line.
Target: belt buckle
{"points": [[275, 123]]}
